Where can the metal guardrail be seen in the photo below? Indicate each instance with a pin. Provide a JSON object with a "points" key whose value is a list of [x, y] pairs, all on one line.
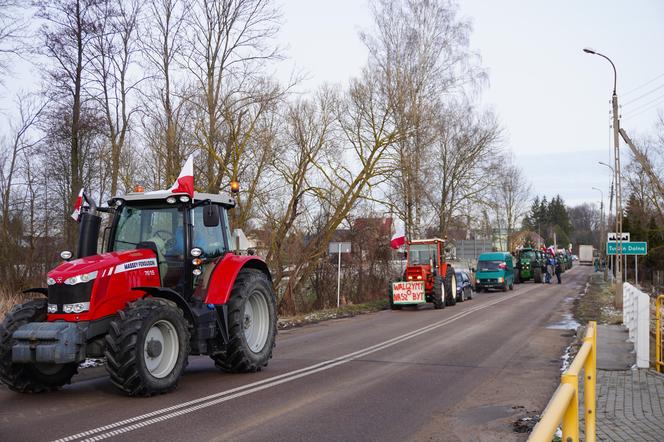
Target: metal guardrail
{"points": [[564, 404], [659, 363]]}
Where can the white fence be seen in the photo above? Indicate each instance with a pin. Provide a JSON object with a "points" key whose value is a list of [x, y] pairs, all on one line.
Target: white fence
{"points": [[636, 317]]}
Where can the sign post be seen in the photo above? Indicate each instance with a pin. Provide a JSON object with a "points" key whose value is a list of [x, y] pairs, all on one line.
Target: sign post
{"points": [[339, 248], [634, 249]]}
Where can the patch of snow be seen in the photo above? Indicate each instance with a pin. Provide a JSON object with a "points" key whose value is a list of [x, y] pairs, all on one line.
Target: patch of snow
{"points": [[92, 362], [559, 433], [568, 323], [566, 358]]}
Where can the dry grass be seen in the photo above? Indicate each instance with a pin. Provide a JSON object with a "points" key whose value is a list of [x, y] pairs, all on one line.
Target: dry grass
{"points": [[597, 303], [10, 299]]}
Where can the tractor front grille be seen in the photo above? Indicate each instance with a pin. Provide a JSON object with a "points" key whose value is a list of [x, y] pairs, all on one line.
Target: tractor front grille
{"points": [[69, 294]]}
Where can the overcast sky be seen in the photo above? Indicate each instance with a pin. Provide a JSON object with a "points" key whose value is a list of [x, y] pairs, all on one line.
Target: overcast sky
{"points": [[551, 98]]}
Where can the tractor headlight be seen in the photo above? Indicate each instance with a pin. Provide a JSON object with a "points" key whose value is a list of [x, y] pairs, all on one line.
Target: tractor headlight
{"points": [[77, 307], [197, 271], [66, 255], [52, 308], [50, 281], [184, 199], [81, 278]]}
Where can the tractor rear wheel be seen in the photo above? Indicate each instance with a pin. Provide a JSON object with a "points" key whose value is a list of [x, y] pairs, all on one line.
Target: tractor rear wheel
{"points": [[450, 286], [438, 293], [147, 347], [537, 275], [29, 378], [252, 324]]}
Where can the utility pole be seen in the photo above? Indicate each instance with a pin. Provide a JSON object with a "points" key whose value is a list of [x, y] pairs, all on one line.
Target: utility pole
{"points": [[617, 300], [602, 236]]}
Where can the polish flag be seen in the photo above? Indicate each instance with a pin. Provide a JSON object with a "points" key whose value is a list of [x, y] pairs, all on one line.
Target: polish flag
{"points": [[185, 181], [77, 206], [399, 237]]}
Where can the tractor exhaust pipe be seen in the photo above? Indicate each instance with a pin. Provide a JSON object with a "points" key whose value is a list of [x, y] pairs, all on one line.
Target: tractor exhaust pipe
{"points": [[88, 230]]}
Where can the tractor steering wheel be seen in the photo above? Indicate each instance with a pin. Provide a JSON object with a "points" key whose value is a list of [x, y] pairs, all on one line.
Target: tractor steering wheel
{"points": [[170, 238]]}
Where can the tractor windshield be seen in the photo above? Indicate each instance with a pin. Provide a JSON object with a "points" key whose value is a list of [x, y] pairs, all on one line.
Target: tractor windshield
{"points": [[160, 225], [528, 255], [422, 254]]}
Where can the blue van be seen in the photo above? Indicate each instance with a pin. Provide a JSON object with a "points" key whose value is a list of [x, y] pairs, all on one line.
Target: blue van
{"points": [[495, 270]]}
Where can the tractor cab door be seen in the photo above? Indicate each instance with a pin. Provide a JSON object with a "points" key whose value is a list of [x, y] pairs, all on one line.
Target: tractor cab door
{"points": [[213, 240]]}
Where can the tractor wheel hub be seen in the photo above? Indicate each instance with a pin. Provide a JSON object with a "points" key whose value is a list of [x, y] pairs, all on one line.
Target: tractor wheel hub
{"points": [[154, 348]]}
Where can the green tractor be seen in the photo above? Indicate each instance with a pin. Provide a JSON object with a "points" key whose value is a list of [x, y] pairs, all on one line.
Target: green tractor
{"points": [[528, 265]]}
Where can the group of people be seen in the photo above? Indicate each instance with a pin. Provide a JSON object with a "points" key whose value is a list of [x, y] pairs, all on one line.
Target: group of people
{"points": [[553, 267]]}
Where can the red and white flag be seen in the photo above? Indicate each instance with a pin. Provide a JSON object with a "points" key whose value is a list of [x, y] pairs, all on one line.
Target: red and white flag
{"points": [[399, 236], [77, 206], [185, 181]]}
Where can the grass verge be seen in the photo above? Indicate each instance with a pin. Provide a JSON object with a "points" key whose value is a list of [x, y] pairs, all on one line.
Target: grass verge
{"points": [[345, 311], [597, 303]]}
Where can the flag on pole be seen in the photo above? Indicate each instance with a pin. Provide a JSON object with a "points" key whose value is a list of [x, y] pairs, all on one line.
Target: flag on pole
{"points": [[77, 206], [185, 181], [399, 236]]}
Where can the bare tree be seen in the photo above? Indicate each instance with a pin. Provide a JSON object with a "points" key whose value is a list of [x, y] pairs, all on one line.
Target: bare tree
{"points": [[420, 51], [12, 33], [111, 58], [70, 26], [510, 197]]}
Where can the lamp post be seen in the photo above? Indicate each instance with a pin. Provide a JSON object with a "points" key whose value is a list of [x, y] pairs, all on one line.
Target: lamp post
{"points": [[602, 246], [616, 148], [610, 206]]}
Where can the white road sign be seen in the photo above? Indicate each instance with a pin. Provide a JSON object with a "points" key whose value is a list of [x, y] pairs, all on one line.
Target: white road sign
{"points": [[613, 237]]}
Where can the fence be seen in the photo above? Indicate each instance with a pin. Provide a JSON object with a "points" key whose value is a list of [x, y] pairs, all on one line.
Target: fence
{"points": [[564, 405], [659, 363], [636, 317]]}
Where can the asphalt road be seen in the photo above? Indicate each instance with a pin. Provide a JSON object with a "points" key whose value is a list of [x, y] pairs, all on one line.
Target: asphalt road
{"points": [[462, 373]]}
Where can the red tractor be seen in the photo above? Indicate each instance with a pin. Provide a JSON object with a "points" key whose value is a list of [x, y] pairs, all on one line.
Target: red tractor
{"points": [[428, 278], [168, 285]]}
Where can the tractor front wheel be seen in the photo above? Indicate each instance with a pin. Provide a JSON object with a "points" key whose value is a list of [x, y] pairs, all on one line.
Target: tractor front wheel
{"points": [[147, 347], [252, 324], [450, 286], [29, 378], [537, 275]]}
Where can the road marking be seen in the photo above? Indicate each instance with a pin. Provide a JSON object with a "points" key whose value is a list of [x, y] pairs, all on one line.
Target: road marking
{"points": [[164, 414]]}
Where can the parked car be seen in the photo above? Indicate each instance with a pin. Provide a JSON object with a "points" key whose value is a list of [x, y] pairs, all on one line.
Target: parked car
{"points": [[495, 270], [464, 286]]}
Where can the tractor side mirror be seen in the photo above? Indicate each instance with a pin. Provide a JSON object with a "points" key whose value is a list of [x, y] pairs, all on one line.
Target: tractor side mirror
{"points": [[211, 215]]}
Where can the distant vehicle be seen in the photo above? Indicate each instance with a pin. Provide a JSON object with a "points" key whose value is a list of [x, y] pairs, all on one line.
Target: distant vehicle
{"points": [[528, 266], [586, 255], [464, 287], [495, 270]]}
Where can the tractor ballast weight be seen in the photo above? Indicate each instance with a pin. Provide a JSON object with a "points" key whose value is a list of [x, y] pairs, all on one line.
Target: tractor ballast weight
{"points": [[169, 284], [427, 277]]}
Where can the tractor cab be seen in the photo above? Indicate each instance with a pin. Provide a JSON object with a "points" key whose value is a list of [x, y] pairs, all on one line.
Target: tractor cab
{"points": [[425, 259], [187, 237]]}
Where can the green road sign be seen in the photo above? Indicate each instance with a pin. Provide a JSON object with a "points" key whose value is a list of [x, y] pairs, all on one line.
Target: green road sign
{"points": [[629, 248]]}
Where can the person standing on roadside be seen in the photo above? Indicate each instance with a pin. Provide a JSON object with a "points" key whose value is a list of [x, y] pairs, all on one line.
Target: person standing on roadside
{"points": [[558, 270]]}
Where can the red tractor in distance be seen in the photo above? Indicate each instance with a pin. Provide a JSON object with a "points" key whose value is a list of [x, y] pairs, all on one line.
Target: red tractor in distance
{"points": [[168, 285], [428, 278]]}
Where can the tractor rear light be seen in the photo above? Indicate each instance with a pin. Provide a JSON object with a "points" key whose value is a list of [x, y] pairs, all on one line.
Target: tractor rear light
{"points": [[196, 271], [171, 200], [52, 308], [77, 307], [50, 281]]}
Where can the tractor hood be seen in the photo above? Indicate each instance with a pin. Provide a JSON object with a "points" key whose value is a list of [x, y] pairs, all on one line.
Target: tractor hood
{"points": [[105, 264]]}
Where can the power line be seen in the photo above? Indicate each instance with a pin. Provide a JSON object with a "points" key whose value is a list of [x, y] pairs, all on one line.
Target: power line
{"points": [[642, 86], [655, 105], [643, 95], [643, 105]]}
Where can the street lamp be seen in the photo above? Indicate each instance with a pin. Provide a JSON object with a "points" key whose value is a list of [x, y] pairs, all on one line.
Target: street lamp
{"points": [[610, 206], [601, 230], [616, 148]]}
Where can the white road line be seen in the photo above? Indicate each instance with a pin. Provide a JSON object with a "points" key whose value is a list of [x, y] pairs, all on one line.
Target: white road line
{"points": [[161, 415]]}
